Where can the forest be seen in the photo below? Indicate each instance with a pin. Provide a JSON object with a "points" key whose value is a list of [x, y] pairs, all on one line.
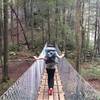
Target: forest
{"points": [[26, 26]]}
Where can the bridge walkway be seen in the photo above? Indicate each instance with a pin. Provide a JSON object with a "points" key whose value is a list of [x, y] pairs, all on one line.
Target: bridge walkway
{"points": [[58, 93]]}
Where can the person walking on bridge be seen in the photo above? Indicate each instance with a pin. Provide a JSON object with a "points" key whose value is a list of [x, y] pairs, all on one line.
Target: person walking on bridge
{"points": [[50, 59]]}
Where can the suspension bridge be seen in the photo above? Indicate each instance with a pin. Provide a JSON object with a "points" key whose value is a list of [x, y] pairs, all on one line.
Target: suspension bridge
{"points": [[68, 85]]}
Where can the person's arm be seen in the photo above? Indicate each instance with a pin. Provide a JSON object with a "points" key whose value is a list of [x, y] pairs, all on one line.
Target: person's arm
{"points": [[60, 56], [38, 58]]}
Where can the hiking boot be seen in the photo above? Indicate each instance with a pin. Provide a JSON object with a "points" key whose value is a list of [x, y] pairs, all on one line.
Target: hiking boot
{"points": [[50, 91]]}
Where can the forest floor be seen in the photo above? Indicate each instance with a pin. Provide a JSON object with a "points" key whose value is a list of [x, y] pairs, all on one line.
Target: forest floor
{"points": [[91, 72], [18, 64]]}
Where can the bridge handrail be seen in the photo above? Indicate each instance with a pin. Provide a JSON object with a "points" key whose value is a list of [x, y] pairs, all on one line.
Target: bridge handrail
{"points": [[74, 85], [26, 87]]}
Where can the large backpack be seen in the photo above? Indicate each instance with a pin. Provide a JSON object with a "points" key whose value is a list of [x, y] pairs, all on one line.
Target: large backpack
{"points": [[50, 55]]}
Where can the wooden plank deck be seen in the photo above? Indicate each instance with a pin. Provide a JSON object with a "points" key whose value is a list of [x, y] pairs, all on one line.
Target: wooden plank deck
{"points": [[58, 91]]}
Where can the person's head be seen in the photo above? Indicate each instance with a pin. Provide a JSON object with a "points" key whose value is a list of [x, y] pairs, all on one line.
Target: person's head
{"points": [[51, 44]]}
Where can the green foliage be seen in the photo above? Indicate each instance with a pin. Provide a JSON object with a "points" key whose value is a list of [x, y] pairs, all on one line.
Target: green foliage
{"points": [[51, 2], [13, 47], [37, 42], [71, 55], [93, 72], [70, 45], [5, 85], [70, 35], [98, 97], [69, 2], [91, 45]]}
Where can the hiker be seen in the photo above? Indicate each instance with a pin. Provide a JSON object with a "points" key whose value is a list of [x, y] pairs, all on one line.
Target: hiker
{"points": [[50, 59]]}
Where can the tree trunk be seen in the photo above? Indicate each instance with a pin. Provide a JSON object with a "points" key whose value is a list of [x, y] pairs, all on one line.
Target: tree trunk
{"points": [[12, 38], [0, 31], [25, 13], [98, 41], [43, 37], [82, 26], [5, 67], [56, 22], [96, 29], [49, 35], [18, 27], [88, 32], [0, 36], [78, 34], [32, 22], [25, 37]]}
